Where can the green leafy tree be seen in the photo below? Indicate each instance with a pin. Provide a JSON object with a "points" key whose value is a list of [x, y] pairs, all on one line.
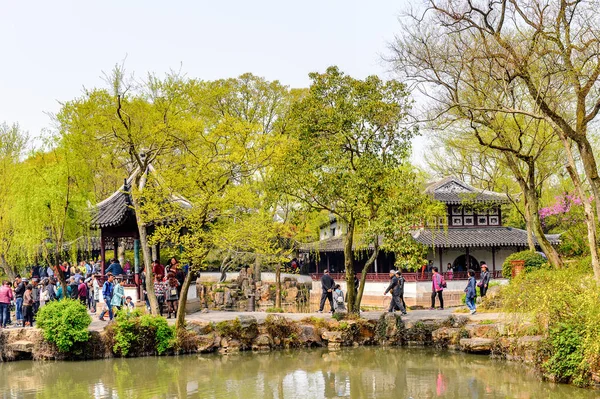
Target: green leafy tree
{"points": [[348, 156]]}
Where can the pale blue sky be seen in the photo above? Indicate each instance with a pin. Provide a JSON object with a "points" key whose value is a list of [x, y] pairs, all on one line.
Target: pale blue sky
{"points": [[51, 49]]}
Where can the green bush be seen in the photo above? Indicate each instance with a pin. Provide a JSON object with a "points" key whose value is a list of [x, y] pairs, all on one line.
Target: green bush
{"points": [[137, 333], [533, 261], [562, 304], [274, 310], [64, 323]]}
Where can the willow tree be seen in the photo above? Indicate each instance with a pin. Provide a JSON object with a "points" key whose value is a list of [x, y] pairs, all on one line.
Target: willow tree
{"points": [[348, 155], [12, 146], [547, 53]]}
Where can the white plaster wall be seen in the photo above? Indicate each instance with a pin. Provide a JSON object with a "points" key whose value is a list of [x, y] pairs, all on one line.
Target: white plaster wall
{"points": [[268, 277], [450, 254], [133, 292]]}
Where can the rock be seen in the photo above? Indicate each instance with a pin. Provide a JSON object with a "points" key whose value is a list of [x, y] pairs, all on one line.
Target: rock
{"points": [[446, 336], [219, 298], [200, 327], [265, 292], [482, 330], [206, 343], [21, 346], [308, 334], [332, 336], [477, 345], [227, 299], [229, 345], [262, 342], [292, 294]]}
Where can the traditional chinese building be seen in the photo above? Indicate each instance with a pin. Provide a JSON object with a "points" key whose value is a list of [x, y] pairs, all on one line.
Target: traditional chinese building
{"points": [[472, 232]]}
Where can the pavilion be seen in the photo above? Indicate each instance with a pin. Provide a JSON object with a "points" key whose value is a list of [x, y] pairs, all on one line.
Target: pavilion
{"points": [[115, 218]]}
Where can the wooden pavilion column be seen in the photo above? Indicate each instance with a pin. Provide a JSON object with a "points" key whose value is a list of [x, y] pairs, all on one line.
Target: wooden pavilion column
{"points": [[116, 248], [136, 267], [468, 259], [102, 254], [441, 261], [493, 261]]}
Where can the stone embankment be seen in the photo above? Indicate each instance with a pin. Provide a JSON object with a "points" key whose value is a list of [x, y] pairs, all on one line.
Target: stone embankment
{"points": [[247, 332]]}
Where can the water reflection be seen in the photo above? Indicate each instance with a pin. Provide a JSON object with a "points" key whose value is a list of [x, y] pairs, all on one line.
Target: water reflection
{"points": [[351, 373]]}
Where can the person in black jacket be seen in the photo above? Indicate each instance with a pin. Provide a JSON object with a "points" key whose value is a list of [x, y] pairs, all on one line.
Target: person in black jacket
{"points": [[394, 287], [19, 291], [327, 285], [401, 282]]}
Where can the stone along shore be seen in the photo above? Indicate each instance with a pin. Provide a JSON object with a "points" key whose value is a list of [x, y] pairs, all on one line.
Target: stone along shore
{"points": [[485, 334]]}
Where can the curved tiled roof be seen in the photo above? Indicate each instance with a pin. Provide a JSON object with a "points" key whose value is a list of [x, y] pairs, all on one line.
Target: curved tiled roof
{"points": [[113, 210], [451, 190], [477, 237]]}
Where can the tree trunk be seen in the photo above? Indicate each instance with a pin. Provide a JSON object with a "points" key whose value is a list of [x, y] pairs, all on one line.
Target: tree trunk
{"points": [[147, 258], [363, 276], [257, 266], [530, 241], [9, 271], [180, 322], [349, 266], [278, 286], [590, 167], [590, 220], [547, 248]]}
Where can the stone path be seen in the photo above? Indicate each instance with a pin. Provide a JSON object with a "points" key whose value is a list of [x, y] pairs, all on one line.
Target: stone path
{"points": [[412, 316]]}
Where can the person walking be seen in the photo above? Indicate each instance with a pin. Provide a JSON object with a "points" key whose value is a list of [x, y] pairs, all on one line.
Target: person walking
{"points": [[19, 291], [118, 294], [28, 306], [450, 271], [437, 285], [159, 290], [107, 295], [401, 282], [82, 292], [172, 294], [50, 291], [338, 299], [327, 285], [95, 294], [485, 280], [6, 295], [35, 295], [470, 291], [395, 303]]}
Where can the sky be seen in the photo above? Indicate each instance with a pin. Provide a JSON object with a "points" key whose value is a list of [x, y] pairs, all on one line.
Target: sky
{"points": [[53, 49]]}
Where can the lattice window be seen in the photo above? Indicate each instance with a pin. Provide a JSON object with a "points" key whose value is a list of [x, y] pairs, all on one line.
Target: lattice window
{"points": [[457, 221], [469, 221]]}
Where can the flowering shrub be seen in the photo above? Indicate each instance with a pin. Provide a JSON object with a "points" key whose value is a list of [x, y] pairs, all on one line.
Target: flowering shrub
{"points": [[566, 216]]}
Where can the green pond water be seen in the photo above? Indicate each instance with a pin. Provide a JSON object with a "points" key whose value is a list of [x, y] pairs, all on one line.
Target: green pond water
{"points": [[349, 373]]}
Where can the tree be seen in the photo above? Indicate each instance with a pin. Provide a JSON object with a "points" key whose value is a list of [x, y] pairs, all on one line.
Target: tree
{"points": [[528, 59], [236, 125], [348, 156], [12, 146]]}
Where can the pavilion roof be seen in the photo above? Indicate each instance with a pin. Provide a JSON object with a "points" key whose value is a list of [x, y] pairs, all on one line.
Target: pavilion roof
{"points": [[497, 236], [115, 210], [451, 190]]}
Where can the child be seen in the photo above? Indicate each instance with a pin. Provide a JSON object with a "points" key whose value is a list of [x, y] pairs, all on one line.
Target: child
{"points": [[28, 306], [129, 304], [338, 299]]}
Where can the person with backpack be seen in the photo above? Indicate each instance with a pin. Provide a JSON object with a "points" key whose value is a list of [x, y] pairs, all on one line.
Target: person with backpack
{"points": [[471, 292], [72, 289], [338, 299], [394, 287], [107, 294], [438, 285]]}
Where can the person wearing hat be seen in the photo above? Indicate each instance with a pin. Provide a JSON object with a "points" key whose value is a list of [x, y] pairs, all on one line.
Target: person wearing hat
{"points": [[327, 284], [485, 279], [394, 287]]}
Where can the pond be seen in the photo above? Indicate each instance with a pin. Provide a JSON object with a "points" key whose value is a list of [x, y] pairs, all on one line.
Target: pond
{"points": [[349, 373]]}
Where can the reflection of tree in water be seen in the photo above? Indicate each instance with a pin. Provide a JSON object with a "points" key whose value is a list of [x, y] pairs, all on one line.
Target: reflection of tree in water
{"points": [[356, 373]]}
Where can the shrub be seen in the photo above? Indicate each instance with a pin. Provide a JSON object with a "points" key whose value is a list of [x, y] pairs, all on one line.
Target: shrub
{"points": [[64, 323], [533, 261], [274, 310], [338, 316], [562, 304], [135, 333]]}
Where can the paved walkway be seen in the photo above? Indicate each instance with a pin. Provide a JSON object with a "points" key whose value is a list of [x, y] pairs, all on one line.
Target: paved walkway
{"points": [[412, 316]]}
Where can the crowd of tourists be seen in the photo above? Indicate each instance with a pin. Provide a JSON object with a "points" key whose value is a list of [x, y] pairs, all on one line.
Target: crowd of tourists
{"points": [[333, 293]]}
